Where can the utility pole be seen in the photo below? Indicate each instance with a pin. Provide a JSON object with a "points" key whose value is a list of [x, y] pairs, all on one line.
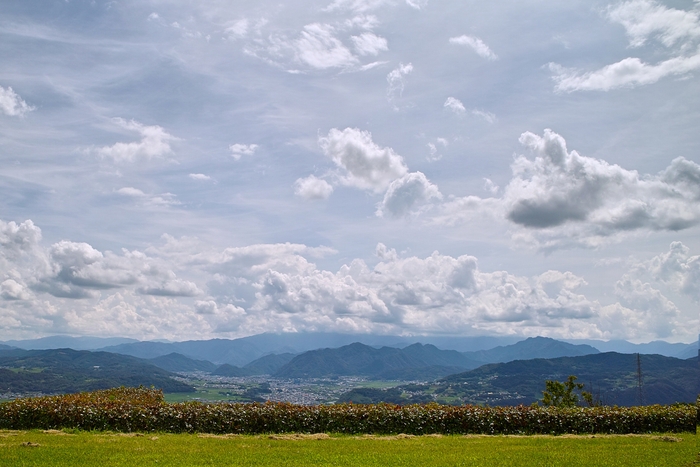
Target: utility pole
{"points": [[640, 381]]}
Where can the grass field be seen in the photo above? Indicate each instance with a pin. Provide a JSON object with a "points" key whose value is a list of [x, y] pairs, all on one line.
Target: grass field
{"points": [[60, 448]]}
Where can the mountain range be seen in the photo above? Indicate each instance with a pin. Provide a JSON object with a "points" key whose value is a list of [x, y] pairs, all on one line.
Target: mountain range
{"points": [[611, 377], [417, 361], [413, 362], [384, 363], [240, 352], [651, 348], [505, 374]]}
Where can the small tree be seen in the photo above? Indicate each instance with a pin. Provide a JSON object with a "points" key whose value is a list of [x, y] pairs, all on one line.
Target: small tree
{"points": [[558, 394]]}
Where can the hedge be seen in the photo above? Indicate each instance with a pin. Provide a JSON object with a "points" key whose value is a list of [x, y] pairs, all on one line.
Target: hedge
{"points": [[144, 410]]}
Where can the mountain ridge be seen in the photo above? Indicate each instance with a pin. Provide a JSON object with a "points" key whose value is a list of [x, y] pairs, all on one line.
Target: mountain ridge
{"points": [[66, 370], [532, 347], [358, 359], [613, 375]]}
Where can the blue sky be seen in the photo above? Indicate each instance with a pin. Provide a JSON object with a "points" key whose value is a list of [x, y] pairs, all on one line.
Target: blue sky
{"points": [[191, 170]]}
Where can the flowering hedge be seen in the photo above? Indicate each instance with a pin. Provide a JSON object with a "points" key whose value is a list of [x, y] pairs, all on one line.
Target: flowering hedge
{"points": [[139, 409]]}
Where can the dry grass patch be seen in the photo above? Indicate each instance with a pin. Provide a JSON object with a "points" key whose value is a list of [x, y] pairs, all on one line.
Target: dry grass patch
{"points": [[226, 436], [391, 437], [57, 433], [299, 436]]}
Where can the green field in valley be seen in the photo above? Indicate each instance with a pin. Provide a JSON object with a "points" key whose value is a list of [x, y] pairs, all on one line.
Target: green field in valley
{"points": [[65, 448]]}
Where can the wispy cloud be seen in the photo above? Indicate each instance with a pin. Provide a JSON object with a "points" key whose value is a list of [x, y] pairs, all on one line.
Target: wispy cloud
{"points": [[455, 105], [397, 81], [677, 30], [476, 44]]}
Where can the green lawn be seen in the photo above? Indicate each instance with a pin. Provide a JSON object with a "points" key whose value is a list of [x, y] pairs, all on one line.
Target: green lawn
{"points": [[36, 448]]}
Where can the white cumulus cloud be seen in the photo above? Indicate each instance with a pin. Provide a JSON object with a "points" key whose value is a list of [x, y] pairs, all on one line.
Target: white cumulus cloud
{"points": [[676, 268], [155, 142], [172, 287], [653, 309], [311, 188], [13, 290], [365, 165], [12, 104], [559, 186], [239, 150], [406, 194], [562, 199]]}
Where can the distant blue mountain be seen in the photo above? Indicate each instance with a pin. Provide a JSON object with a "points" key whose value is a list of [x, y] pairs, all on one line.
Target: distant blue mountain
{"points": [[651, 348], [690, 351], [234, 352], [267, 365], [532, 347], [239, 352], [242, 351], [176, 363], [68, 342]]}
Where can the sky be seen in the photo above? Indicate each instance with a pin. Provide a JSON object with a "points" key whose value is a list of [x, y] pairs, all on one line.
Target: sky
{"points": [[217, 169]]}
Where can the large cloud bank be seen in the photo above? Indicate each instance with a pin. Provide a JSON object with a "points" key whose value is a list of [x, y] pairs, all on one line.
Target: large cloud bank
{"points": [[73, 288]]}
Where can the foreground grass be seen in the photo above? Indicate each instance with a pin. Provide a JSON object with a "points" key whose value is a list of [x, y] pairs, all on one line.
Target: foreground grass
{"points": [[61, 448]]}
